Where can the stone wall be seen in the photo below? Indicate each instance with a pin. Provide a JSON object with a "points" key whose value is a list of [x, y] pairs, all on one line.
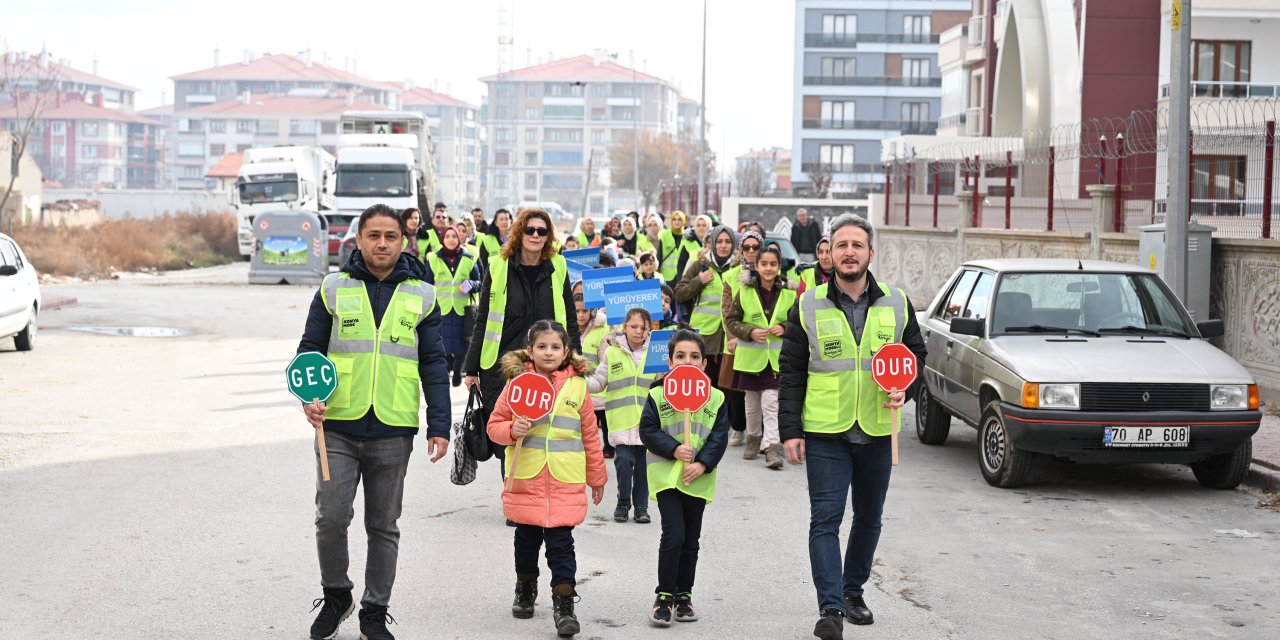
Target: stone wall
{"points": [[1245, 279]]}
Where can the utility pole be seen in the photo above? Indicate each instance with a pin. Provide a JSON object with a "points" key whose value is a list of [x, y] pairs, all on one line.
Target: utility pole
{"points": [[702, 122], [635, 131], [1177, 201]]}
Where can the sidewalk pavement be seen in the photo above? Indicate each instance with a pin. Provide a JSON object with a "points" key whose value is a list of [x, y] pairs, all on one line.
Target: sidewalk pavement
{"points": [[49, 303], [1265, 471]]}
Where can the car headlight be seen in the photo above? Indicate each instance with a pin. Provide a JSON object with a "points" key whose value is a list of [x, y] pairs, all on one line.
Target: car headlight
{"points": [[1059, 396], [1226, 397]]}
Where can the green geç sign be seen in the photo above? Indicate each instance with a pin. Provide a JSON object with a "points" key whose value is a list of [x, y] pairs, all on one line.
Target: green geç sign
{"points": [[312, 377]]}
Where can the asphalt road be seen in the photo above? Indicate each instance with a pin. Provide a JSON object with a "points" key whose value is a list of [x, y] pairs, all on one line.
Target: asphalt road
{"points": [[163, 487]]}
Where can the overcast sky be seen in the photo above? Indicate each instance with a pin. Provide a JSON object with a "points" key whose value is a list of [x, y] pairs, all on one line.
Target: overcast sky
{"points": [[447, 42]]}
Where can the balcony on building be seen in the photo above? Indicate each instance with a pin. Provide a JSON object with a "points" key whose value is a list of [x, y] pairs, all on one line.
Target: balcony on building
{"points": [[904, 126], [852, 40], [873, 81]]}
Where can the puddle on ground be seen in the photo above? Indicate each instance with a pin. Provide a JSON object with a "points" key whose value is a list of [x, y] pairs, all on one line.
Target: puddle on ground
{"points": [[135, 332]]}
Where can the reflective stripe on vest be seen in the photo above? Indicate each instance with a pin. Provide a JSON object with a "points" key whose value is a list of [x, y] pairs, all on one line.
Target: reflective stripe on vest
{"points": [[732, 277], [840, 389], [752, 356], [448, 295], [377, 364], [665, 474], [707, 313], [555, 442], [628, 387], [591, 351], [498, 304], [670, 254]]}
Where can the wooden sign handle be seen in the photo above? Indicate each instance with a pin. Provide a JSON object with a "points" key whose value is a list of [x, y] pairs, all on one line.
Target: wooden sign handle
{"points": [[324, 452], [893, 438], [515, 458], [687, 436]]}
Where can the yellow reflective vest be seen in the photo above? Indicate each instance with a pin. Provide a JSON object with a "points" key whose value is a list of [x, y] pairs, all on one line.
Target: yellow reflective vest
{"points": [[840, 389], [377, 364], [555, 441], [626, 390], [752, 356], [707, 313], [498, 304], [591, 351], [450, 298], [665, 474]]}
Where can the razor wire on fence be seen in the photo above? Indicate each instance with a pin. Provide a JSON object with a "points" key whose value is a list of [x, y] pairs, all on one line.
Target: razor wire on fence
{"points": [[1041, 178]]}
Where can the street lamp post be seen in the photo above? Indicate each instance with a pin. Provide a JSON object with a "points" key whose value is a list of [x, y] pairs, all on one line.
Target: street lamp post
{"points": [[702, 122]]}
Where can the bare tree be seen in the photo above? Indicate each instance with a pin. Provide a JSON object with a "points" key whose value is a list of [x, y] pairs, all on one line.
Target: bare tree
{"points": [[26, 84], [659, 154], [820, 174], [752, 177]]}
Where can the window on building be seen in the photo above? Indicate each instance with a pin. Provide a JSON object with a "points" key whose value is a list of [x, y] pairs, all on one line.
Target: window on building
{"points": [[502, 181], [191, 172], [89, 151], [328, 127], [1221, 61], [245, 126], [117, 129], [217, 126], [118, 174], [562, 112], [269, 126], [302, 127], [597, 205], [838, 27], [58, 127], [839, 67], [624, 113], [89, 129], [915, 112], [506, 89], [598, 113], [915, 70], [217, 150], [1219, 186], [838, 114], [59, 149], [597, 136], [241, 148], [531, 89], [624, 90], [556, 181], [531, 181], [191, 149], [597, 90], [530, 113], [916, 28], [117, 152], [502, 134], [503, 113], [530, 158], [839, 157], [531, 134], [563, 135], [502, 158]]}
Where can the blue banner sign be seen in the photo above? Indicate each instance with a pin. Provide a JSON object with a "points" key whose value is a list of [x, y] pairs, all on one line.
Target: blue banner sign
{"points": [[619, 298], [656, 360], [589, 256], [594, 280]]}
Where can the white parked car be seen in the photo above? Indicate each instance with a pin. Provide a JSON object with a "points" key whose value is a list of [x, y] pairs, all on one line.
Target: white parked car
{"points": [[19, 295]]}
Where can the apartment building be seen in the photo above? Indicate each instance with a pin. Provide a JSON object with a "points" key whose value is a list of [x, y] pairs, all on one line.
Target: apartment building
{"points": [[26, 72], [275, 74], [865, 71], [457, 141], [550, 127]]}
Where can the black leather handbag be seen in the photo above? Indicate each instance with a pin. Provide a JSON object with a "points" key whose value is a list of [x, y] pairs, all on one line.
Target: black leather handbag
{"points": [[475, 421]]}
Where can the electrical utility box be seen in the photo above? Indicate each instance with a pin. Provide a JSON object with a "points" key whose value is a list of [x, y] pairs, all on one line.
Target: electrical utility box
{"points": [[1151, 246]]}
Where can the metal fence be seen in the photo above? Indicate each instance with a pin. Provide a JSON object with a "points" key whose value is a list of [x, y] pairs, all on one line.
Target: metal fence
{"points": [[1040, 179]]}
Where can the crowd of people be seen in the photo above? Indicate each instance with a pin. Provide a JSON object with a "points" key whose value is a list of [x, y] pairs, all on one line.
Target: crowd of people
{"points": [[503, 301]]}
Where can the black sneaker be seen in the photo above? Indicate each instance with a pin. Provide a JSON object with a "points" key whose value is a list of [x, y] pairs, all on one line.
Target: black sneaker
{"points": [[373, 623], [620, 512], [830, 626], [661, 614], [642, 515], [684, 608], [856, 610], [335, 607], [526, 595]]}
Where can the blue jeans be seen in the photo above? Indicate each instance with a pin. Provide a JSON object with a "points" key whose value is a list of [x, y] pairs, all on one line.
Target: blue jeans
{"points": [[834, 467], [633, 475]]}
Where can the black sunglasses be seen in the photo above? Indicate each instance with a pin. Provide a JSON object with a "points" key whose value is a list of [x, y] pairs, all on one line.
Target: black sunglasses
{"points": [[538, 231]]}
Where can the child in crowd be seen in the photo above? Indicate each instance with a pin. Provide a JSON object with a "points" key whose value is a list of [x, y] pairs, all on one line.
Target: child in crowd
{"points": [[758, 319], [682, 478], [647, 267], [670, 317], [570, 244], [559, 456], [593, 330], [621, 377]]}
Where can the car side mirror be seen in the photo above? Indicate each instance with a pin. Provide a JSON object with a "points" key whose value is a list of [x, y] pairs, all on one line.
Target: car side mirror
{"points": [[1211, 329], [968, 326], [8, 270]]}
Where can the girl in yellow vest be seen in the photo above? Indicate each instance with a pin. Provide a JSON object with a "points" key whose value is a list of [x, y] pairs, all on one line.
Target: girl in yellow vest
{"points": [[620, 376], [758, 319], [559, 457], [682, 478], [647, 267], [457, 279]]}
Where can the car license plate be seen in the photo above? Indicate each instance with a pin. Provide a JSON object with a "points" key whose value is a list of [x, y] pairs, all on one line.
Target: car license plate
{"points": [[1148, 437]]}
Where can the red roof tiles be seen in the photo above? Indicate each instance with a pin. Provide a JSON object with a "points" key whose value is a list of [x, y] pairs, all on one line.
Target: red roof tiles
{"points": [[281, 67], [425, 96], [285, 105], [228, 166], [582, 68]]}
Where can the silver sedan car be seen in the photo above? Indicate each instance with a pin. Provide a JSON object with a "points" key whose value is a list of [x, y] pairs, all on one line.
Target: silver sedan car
{"points": [[1085, 361]]}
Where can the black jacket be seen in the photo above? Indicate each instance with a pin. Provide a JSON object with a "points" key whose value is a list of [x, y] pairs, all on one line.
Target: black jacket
{"points": [[805, 239], [432, 369], [662, 444], [526, 304], [794, 362]]}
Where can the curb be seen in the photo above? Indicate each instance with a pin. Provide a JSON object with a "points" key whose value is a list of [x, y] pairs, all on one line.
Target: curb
{"points": [[56, 302], [1263, 478]]}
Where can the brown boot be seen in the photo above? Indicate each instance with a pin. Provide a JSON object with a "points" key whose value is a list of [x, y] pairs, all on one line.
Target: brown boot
{"points": [[753, 448], [773, 456]]}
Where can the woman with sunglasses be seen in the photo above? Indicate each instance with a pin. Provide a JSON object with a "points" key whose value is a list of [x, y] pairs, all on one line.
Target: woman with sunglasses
{"points": [[526, 282], [749, 245]]}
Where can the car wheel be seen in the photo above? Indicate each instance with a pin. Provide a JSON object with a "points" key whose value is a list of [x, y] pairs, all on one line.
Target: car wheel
{"points": [[1225, 470], [1003, 465], [933, 422], [26, 340]]}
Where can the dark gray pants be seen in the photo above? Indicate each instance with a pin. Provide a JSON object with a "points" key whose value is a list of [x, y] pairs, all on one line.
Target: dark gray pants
{"points": [[381, 463]]}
